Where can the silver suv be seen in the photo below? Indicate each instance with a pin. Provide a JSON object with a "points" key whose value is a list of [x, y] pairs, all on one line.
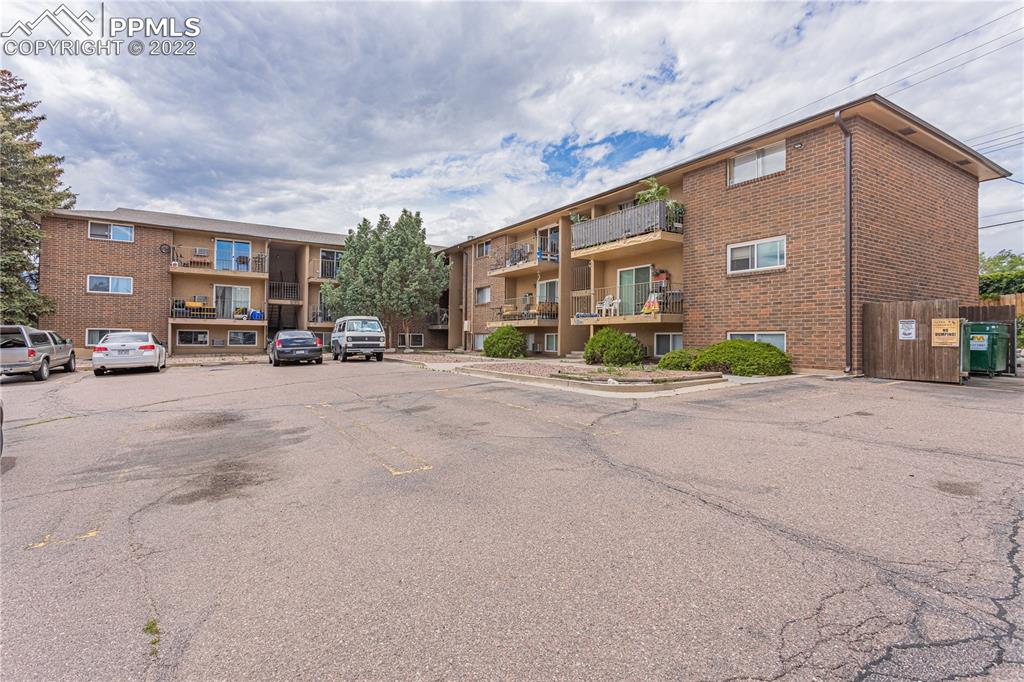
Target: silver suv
{"points": [[25, 350], [357, 335]]}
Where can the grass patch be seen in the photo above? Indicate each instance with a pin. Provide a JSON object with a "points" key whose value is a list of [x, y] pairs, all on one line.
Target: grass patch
{"points": [[153, 630]]}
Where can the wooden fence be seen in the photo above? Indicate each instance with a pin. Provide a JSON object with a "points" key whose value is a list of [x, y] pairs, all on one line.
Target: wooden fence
{"points": [[1016, 300], [891, 351]]}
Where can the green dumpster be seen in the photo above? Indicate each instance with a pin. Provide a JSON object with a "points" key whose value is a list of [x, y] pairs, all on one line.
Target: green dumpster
{"points": [[989, 344]]}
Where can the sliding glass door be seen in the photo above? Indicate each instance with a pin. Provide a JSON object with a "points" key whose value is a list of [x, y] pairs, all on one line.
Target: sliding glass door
{"points": [[634, 286], [228, 299]]}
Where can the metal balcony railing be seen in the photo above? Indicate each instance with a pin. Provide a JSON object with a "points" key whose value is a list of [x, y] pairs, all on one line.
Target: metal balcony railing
{"points": [[186, 257], [648, 298], [329, 268], [580, 275], [529, 251], [524, 308], [629, 222], [283, 291], [320, 313], [438, 318], [200, 308]]}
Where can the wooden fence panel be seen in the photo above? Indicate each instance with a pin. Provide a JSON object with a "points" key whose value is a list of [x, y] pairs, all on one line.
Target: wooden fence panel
{"points": [[1016, 300], [887, 356]]}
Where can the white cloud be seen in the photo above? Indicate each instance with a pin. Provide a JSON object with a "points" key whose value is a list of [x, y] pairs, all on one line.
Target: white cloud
{"points": [[315, 114]]}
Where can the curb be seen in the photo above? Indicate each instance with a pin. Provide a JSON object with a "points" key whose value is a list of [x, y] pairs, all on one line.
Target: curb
{"points": [[569, 384]]}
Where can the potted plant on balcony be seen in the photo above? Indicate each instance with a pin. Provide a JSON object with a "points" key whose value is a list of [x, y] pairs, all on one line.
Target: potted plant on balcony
{"points": [[654, 191], [660, 275], [576, 218]]}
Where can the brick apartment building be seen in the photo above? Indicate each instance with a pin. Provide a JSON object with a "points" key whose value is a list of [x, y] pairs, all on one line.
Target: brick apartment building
{"points": [[785, 235], [204, 285]]}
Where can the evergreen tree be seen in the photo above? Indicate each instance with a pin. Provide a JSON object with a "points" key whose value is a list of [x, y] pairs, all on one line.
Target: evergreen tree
{"points": [[29, 186], [414, 276]]}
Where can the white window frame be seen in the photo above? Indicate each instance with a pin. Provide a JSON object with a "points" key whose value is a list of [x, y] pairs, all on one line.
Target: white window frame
{"points": [[177, 338], [759, 155], [547, 281], [88, 232], [476, 295], [545, 346], [482, 249], [233, 306], [401, 340], [234, 257], [482, 336], [337, 261], [131, 285], [785, 340], [754, 243], [244, 331], [670, 335], [100, 329], [412, 340]]}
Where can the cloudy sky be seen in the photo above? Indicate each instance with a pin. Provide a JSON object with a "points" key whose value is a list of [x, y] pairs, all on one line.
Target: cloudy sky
{"points": [[314, 114]]}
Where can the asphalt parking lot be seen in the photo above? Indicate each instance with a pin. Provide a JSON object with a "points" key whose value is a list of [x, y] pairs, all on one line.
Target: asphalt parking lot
{"points": [[377, 520]]}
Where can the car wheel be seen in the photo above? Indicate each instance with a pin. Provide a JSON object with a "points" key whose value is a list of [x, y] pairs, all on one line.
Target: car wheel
{"points": [[270, 359], [380, 357], [275, 362], [70, 365], [334, 352], [99, 372], [319, 361], [342, 356], [43, 373]]}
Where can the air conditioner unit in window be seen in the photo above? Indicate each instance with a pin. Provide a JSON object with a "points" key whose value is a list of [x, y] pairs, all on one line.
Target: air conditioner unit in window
{"points": [[201, 251], [201, 299]]}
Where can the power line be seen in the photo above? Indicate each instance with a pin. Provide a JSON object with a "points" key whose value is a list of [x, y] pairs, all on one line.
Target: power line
{"points": [[985, 143], [1010, 222], [969, 139], [952, 68], [993, 215], [1018, 138], [999, 149], [1012, 180], [877, 73]]}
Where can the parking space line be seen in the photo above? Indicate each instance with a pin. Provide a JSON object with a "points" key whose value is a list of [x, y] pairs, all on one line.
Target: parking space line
{"points": [[371, 442]]}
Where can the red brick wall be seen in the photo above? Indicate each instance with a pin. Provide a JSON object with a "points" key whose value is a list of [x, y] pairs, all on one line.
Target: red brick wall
{"points": [[482, 314], [805, 300], [68, 256], [915, 224]]}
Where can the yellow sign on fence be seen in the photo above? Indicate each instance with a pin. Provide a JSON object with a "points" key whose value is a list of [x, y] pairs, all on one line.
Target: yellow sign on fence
{"points": [[945, 332]]}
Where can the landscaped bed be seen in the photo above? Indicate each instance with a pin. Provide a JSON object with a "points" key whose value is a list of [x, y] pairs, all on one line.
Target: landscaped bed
{"points": [[595, 374], [431, 358]]}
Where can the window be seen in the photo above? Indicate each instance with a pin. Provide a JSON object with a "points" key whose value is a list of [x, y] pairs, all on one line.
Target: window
{"points": [[663, 343], [483, 295], [109, 284], [38, 339], [547, 291], [94, 336], [758, 163], [329, 262], [478, 341], [551, 343], [58, 340], [634, 288], [483, 249], [325, 338], [763, 254], [241, 338], [232, 255], [193, 337], [363, 326], [229, 301], [111, 232], [413, 341], [777, 339]]}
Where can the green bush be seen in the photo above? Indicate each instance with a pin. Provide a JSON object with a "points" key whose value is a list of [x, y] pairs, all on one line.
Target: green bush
{"points": [[611, 347], [505, 342], [997, 283], [745, 358], [681, 359]]}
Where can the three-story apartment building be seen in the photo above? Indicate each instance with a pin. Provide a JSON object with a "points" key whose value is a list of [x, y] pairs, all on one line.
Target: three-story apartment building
{"points": [[782, 238], [209, 285]]}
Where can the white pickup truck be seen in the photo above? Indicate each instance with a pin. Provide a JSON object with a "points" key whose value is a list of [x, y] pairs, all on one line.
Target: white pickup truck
{"points": [[357, 335]]}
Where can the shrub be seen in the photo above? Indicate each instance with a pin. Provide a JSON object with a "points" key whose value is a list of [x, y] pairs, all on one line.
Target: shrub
{"points": [[611, 347], [745, 358], [996, 283], [681, 359], [505, 342]]}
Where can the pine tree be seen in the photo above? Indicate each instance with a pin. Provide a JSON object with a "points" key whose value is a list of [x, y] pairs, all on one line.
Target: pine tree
{"points": [[414, 276], [29, 187]]}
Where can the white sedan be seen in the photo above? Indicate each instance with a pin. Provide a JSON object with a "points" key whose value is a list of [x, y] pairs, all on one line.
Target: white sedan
{"points": [[124, 350]]}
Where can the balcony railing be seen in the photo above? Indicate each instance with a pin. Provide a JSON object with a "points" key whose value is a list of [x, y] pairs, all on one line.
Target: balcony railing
{"points": [[629, 222], [185, 257], [288, 291], [580, 275], [648, 298], [524, 308], [200, 308], [329, 268], [320, 313], [529, 251], [438, 318]]}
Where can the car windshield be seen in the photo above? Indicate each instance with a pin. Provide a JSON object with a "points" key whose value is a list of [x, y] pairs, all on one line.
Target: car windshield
{"points": [[363, 326], [126, 337], [12, 339], [295, 335]]}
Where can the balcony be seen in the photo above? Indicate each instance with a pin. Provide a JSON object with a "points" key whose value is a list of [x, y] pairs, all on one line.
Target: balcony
{"points": [[649, 302], [234, 312], [523, 312], [325, 268], [283, 293], [319, 314], [525, 257], [438, 319], [631, 231], [186, 261]]}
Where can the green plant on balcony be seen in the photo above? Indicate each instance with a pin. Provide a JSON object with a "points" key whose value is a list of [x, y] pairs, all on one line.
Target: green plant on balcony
{"points": [[576, 218], [654, 191]]}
